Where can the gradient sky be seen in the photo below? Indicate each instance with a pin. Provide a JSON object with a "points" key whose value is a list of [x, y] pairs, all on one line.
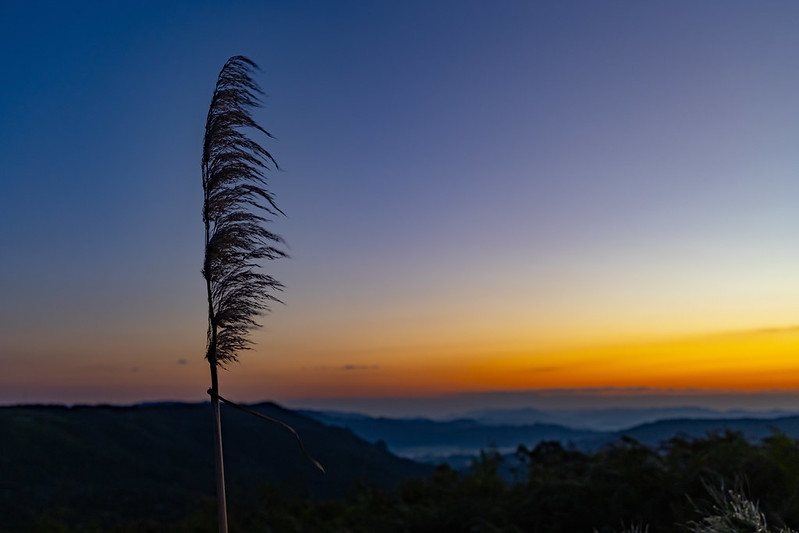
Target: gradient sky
{"points": [[481, 196]]}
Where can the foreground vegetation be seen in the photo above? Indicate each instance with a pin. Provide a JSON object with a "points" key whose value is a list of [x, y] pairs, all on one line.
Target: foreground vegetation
{"points": [[550, 489]]}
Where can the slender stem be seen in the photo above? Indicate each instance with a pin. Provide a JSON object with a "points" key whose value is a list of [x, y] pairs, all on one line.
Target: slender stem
{"points": [[221, 501], [219, 462]]}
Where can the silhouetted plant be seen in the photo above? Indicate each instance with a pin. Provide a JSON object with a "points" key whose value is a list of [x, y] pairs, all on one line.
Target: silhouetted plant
{"points": [[734, 513], [236, 205]]}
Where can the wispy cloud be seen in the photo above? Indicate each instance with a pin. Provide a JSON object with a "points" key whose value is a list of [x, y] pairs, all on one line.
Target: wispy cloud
{"points": [[348, 367], [360, 367], [786, 330]]}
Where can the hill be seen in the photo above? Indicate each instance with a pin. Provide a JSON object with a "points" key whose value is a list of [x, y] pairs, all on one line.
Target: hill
{"points": [[457, 442], [435, 441], [753, 429], [611, 419], [104, 464]]}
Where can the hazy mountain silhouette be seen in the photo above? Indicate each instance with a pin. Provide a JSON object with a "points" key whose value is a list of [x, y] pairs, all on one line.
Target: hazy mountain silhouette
{"points": [[653, 433], [610, 419], [433, 441], [456, 441]]}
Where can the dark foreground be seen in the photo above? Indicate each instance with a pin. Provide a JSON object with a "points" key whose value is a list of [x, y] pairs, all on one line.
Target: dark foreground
{"points": [[150, 469]]}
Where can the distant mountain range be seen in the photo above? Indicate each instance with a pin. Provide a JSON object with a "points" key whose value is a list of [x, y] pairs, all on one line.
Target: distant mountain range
{"points": [[455, 441], [654, 433], [433, 441], [610, 419]]}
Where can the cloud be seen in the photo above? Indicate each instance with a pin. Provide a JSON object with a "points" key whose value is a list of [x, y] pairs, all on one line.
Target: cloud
{"points": [[360, 367], [347, 367], [778, 329], [786, 330]]}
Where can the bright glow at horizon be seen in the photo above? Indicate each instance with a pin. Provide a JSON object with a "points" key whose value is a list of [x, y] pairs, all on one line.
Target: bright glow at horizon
{"points": [[480, 197]]}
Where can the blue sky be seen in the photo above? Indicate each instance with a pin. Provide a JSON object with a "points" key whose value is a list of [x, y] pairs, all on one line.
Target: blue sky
{"points": [[462, 179]]}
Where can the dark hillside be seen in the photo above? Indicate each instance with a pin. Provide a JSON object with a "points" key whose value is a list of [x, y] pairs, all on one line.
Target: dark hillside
{"points": [[102, 464]]}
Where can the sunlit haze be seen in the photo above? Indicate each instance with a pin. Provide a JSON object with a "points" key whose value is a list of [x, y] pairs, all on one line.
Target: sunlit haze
{"points": [[488, 203]]}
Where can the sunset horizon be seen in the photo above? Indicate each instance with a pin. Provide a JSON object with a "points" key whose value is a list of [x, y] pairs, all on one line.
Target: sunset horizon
{"points": [[724, 370], [517, 198]]}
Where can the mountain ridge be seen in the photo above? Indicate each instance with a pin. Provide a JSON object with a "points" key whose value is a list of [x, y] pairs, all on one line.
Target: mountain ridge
{"points": [[137, 462], [454, 441]]}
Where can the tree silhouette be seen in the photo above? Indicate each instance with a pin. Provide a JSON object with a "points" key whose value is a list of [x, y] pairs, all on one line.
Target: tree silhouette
{"points": [[236, 207]]}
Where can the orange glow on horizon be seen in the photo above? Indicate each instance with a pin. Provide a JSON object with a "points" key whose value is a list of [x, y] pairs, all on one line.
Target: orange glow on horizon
{"points": [[747, 360], [744, 361]]}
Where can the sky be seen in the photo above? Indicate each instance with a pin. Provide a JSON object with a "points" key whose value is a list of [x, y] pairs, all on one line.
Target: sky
{"points": [[537, 200]]}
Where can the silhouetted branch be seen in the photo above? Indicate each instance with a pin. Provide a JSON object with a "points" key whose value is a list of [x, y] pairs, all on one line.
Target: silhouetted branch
{"points": [[274, 421]]}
